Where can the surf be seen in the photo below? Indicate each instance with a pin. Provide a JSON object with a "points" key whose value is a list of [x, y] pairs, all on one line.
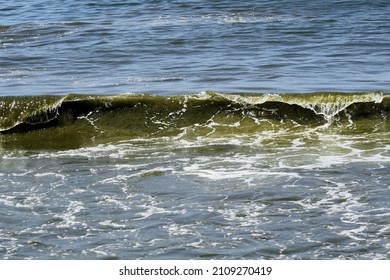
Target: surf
{"points": [[205, 114]]}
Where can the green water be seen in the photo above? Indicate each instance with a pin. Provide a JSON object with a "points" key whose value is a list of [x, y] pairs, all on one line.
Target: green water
{"points": [[73, 121]]}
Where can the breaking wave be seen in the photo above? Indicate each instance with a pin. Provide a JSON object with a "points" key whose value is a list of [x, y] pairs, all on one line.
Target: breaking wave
{"points": [[211, 114]]}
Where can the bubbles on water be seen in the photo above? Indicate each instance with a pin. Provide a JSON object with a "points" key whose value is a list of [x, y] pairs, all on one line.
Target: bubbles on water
{"points": [[249, 17], [312, 194]]}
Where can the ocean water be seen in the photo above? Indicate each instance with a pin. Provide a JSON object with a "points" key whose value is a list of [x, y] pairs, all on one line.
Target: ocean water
{"points": [[194, 129]]}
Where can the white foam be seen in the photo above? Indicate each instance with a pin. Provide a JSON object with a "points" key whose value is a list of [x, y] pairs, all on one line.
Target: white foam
{"points": [[246, 214], [219, 174], [69, 217], [176, 230], [219, 18], [113, 201], [112, 224], [355, 233], [62, 177], [152, 208]]}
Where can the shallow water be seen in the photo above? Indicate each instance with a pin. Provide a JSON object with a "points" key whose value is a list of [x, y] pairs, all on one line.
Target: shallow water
{"points": [[250, 198]]}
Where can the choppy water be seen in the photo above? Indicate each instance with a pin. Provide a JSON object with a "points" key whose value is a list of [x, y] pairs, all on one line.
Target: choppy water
{"points": [[188, 173], [57, 47]]}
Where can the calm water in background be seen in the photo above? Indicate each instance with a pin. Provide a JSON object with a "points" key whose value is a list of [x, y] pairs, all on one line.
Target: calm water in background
{"points": [[311, 194], [170, 47]]}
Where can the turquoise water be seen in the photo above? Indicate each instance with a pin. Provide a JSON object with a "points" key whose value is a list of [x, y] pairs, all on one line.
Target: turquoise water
{"points": [[194, 130]]}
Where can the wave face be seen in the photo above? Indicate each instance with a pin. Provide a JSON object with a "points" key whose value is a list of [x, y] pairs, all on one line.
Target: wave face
{"points": [[74, 121]]}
